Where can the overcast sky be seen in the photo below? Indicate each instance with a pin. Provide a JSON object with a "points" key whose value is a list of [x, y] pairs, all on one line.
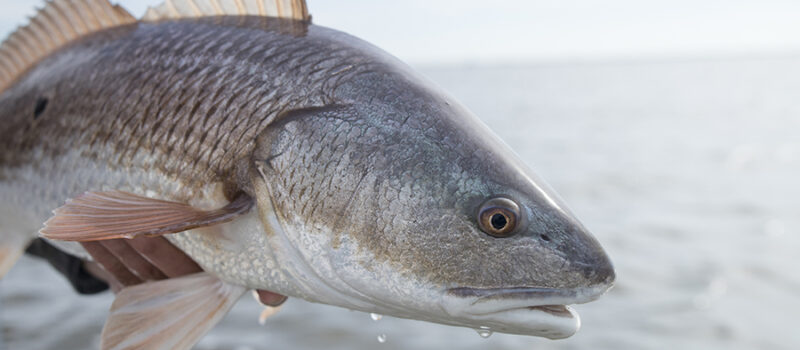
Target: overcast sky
{"points": [[444, 31]]}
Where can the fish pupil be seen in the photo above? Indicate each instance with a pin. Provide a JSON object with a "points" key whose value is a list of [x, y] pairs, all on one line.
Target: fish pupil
{"points": [[41, 104], [499, 221]]}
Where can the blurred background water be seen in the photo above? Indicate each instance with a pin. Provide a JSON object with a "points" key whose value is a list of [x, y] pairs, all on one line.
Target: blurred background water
{"points": [[685, 169]]}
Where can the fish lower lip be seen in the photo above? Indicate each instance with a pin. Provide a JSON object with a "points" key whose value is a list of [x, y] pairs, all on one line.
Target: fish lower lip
{"points": [[550, 309], [553, 310]]}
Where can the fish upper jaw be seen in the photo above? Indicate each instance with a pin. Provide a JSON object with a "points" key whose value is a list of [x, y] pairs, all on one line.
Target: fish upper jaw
{"points": [[543, 312]]}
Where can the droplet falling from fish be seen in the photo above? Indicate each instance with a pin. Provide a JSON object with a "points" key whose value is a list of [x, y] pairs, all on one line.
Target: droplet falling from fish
{"points": [[484, 332]]}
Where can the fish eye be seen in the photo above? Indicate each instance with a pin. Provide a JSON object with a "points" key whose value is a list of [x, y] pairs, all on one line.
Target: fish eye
{"points": [[499, 217]]}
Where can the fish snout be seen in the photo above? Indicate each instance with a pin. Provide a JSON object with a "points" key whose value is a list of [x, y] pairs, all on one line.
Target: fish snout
{"points": [[592, 263], [601, 272], [585, 263]]}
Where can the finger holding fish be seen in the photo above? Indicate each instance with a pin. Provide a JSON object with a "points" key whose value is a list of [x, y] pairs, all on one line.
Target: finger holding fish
{"points": [[166, 257], [146, 258], [110, 263], [136, 263]]}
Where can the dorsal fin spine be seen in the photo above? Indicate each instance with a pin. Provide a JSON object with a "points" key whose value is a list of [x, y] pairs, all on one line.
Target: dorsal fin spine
{"points": [[13, 56], [191, 9], [63, 28], [77, 19], [99, 15], [217, 7], [240, 6], [70, 16], [24, 42], [55, 25], [89, 19], [5, 62], [66, 10], [197, 9], [39, 37], [5, 74], [51, 26], [61, 21], [40, 40], [173, 12], [20, 49], [261, 10], [88, 16], [172, 9], [109, 13]]}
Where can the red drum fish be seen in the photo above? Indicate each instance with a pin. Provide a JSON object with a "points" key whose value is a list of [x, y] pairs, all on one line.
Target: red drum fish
{"points": [[281, 156]]}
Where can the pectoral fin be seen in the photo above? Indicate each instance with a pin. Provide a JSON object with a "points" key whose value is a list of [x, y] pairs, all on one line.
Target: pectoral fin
{"points": [[168, 314], [96, 216]]}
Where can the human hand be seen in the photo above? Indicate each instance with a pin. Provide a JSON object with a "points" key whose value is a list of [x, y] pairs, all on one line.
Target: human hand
{"points": [[127, 262]]}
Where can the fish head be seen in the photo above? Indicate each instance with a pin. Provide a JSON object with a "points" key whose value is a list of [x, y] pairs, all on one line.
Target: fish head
{"points": [[504, 249], [409, 206]]}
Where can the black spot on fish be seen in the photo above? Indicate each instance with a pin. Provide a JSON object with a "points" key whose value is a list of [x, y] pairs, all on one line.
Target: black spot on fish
{"points": [[41, 105]]}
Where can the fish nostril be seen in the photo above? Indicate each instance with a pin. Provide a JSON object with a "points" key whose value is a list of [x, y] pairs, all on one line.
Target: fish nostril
{"points": [[544, 237]]}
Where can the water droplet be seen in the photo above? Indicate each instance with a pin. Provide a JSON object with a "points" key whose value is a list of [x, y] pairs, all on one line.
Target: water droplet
{"points": [[484, 332], [381, 338], [375, 317]]}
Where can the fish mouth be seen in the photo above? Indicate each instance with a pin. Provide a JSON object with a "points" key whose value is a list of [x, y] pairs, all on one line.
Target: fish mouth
{"points": [[543, 312]]}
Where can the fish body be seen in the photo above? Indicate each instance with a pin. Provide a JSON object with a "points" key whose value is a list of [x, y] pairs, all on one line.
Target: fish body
{"points": [[369, 183]]}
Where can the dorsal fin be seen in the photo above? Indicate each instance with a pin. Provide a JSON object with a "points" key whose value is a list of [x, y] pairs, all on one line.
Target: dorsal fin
{"points": [[62, 21], [171, 9], [54, 26]]}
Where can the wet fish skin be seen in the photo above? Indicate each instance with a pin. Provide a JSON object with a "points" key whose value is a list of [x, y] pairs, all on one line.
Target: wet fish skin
{"points": [[367, 177], [193, 90], [412, 153]]}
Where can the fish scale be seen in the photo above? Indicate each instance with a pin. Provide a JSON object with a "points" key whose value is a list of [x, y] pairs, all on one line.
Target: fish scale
{"points": [[148, 128]]}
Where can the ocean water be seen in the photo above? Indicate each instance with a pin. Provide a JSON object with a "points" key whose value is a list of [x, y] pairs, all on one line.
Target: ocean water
{"points": [[687, 172]]}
